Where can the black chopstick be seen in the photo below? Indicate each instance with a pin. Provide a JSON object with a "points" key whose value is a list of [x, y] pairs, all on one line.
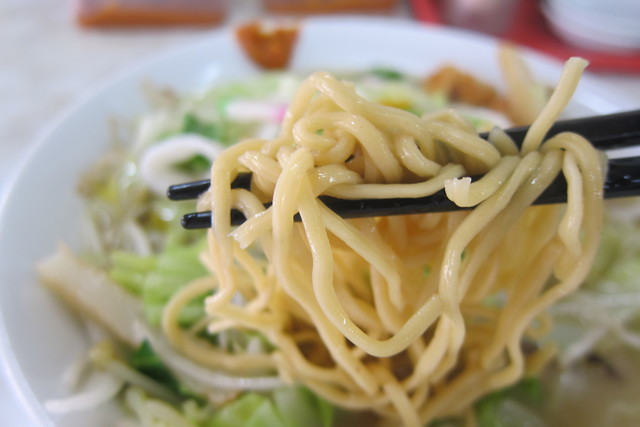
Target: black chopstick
{"points": [[623, 180], [191, 190], [605, 132]]}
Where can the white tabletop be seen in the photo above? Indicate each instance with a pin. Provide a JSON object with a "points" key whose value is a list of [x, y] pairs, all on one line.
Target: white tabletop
{"points": [[47, 64]]}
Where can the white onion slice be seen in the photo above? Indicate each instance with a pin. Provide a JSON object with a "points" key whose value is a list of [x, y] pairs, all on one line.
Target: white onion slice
{"points": [[157, 163], [203, 378], [100, 388]]}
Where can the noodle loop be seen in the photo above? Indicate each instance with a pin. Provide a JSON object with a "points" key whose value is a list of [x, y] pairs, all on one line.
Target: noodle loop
{"points": [[413, 317]]}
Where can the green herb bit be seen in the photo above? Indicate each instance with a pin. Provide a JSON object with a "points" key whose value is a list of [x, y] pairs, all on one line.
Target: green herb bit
{"points": [[195, 165], [527, 392], [146, 361], [193, 124], [387, 74]]}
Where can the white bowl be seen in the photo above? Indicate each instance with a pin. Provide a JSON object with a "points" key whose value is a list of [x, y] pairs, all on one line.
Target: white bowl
{"points": [[624, 9], [595, 27], [39, 337]]}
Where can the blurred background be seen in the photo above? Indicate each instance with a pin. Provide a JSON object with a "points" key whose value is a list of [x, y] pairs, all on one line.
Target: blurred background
{"points": [[53, 53]]}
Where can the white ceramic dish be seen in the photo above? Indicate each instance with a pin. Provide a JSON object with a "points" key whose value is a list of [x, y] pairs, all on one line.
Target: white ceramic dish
{"points": [[39, 338], [592, 28]]}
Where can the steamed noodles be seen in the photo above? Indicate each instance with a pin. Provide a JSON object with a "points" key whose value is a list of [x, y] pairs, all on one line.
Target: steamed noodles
{"points": [[412, 317]]}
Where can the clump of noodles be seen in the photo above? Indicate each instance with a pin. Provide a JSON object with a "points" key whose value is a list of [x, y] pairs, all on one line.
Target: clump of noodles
{"points": [[412, 317]]}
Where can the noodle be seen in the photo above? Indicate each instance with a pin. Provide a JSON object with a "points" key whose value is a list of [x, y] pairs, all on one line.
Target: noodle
{"points": [[390, 314]]}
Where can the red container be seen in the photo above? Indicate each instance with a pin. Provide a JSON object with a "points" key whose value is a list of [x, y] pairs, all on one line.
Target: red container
{"points": [[328, 6]]}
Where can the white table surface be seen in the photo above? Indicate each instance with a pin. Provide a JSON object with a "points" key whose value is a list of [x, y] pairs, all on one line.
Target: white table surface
{"points": [[47, 64]]}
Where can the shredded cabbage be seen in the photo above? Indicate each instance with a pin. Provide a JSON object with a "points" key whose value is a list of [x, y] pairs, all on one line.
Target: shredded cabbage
{"points": [[137, 243]]}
